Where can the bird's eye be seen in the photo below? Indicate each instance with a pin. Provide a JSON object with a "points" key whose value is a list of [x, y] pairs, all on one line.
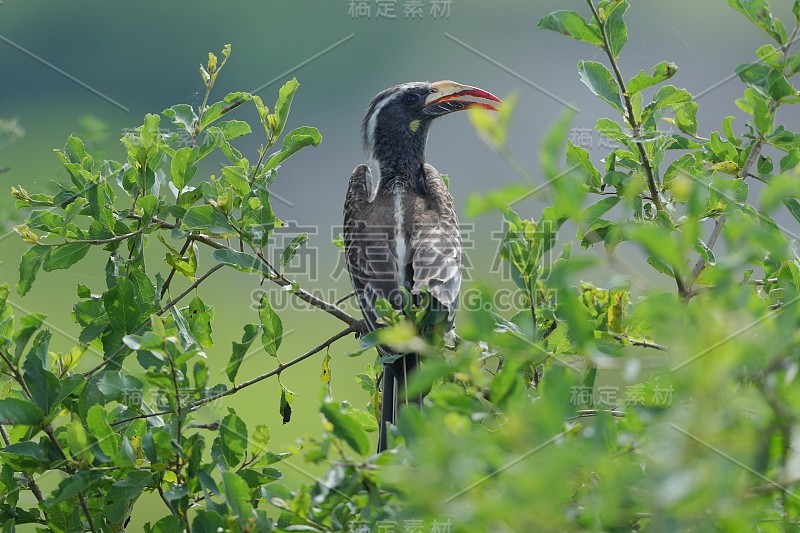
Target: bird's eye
{"points": [[411, 98]]}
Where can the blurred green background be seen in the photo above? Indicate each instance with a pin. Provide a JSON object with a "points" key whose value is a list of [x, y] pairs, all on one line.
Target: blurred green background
{"points": [[55, 56]]}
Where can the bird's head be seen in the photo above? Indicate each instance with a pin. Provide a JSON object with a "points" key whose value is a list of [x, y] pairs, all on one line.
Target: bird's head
{"points": [[396, 125]]}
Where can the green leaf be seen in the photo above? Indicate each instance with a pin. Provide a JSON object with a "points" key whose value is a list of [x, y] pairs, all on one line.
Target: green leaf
{"points": [[207, 521], [667, 96], [4, 292], [29, 264], [42, 384], [552, 145], [99, 207], [79, 446], [207, 218], [122, 308], [771, 56], [211, 140], [325, 375], [183, 167], [482, 203], [22, 412], [233, 129], [571, 24], [346, 427], [724, 150], [168, 524], [259, 440], [579, 157], [759, 13], [233, 439], [727, 129], [240, 261], [295, 140], [65, 256], [116, 386], [704, 251], [183, 115], [122, 494], [506, 382], [616, 310], [770, 80], [601, 82], [107, 439], [794, 207], [236, 177], [660, 265], [24, 456], [762, 117], [291, 249], [272, 333], [239, 350], [186, 265], [662, 71], [215, 111], [199, 318], [686, 117], [598, 209], [237, 495], [615, 25], [285, 407], [70, 486], [285, 95], [493, 126], [45, 220], [29, 324]]}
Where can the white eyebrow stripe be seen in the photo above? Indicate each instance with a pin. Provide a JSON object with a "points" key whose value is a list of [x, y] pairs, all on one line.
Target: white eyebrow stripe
{"points": [[372, 123]]}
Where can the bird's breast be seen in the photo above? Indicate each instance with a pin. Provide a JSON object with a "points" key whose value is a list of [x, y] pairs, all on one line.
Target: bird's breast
{"points": [[401, 234]]}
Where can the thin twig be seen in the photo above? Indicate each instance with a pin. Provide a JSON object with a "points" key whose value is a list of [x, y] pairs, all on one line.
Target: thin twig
{"points": [[110, 240], [631, 118], [332, 309], [274, 372], [639, 342], [166, 501], [344, 298], [584, 413], [755, 150], [636, 127], [277, 278]]}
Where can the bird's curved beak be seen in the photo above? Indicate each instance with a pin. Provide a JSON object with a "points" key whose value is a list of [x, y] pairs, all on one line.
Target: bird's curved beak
{"points": [[449, 96]]}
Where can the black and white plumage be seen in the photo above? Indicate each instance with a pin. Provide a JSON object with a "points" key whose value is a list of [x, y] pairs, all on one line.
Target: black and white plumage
{"points": [[401, 229]]}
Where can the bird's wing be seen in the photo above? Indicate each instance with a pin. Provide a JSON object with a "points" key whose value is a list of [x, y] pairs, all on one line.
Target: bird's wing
{"points": [[370, 261], [436, 246]]}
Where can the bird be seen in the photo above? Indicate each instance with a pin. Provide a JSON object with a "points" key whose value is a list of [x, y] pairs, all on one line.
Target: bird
{"points": [[400, 230]]}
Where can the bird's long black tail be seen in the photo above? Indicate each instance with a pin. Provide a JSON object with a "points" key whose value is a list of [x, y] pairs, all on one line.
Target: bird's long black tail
{"points": [[395, 380]]}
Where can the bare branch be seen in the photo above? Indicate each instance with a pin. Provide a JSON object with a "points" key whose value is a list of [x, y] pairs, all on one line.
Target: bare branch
{"points": [[274, 372]]}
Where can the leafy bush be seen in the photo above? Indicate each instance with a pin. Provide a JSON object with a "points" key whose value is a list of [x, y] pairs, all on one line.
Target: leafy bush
{"points": [[591, 408]]}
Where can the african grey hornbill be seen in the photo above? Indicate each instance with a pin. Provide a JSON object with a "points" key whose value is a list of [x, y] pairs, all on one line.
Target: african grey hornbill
{"points": [[402, 230]]}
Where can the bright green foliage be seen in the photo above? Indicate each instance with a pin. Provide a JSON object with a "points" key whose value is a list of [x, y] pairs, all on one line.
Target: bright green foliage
{"points": [[100, 427], [519, 429], [700, 433]]}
